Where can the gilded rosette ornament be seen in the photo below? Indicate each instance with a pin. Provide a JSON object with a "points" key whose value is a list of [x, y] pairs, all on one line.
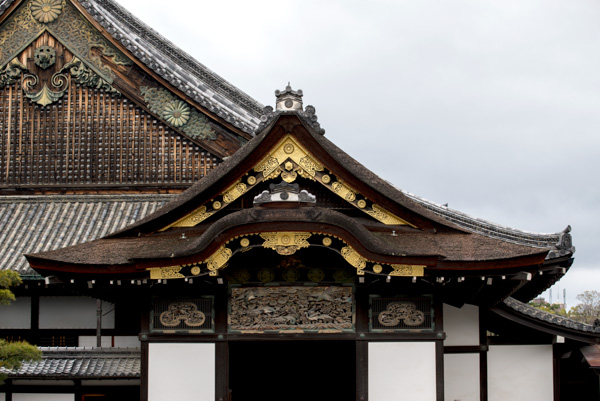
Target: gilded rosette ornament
{"points": [[285, 243], [46, 11], [218, 260]]}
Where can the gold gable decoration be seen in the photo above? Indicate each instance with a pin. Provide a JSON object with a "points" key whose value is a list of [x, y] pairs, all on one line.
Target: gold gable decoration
{"points": [[289, 159], [285, 243]]}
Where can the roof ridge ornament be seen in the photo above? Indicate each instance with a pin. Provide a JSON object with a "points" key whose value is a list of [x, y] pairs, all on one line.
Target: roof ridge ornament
{"points": [[290, 100]]}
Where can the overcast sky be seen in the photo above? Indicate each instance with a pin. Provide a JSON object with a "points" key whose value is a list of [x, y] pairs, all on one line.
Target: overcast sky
{"points": [[490, 106]]}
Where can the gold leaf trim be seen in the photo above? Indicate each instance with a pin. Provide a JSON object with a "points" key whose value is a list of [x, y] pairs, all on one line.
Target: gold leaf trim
{"points": [[408, 270], [285, 242], [218, 260], [379, 213], [354, 259], [169, 272]]}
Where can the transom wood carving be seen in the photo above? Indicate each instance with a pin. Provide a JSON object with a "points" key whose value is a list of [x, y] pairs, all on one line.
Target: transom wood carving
{"points": [[291, 309]]}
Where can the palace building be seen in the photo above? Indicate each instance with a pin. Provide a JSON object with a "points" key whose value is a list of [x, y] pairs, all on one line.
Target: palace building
{"points": [[179, 240]]}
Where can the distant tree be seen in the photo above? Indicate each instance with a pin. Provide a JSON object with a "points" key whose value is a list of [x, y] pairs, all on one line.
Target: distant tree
{"points": [[588, 309], [13, 354], [550, 308]]}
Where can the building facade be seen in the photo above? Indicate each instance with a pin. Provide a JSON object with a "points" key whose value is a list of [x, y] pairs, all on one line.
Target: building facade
{"points": [[184, 242]]}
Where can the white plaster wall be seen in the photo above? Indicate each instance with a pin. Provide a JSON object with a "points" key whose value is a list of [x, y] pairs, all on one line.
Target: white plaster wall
{"points": [[2, 396], [17, 315], [107, 341], [461, 325], [74, 313], [520, 373], [182, 372], [461, 377], [42, 397], [402, 371]]}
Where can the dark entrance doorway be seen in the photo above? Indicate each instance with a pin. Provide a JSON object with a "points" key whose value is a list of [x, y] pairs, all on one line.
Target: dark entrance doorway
{"points": [[292, 370]]}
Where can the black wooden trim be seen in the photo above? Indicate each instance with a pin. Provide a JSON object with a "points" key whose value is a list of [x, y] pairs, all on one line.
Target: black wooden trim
{"points": [[483, 340], [362, 371], [144, 359], [439, 347], [8, 389], [556, 370], [465, 349], [222, 371], [144, 372], [77, 389]]}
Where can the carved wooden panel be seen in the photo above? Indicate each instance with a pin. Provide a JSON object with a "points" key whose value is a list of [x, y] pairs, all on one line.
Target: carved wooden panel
{"points": [[189, 315], [322, 309], [401, 314]]}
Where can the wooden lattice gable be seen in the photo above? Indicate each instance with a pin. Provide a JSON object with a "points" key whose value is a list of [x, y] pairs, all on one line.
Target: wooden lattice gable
{"points": [[79, 108]]}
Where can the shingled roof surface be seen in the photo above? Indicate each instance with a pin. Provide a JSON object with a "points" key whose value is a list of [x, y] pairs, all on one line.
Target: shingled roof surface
{"points": [[173, 64], [31, 224], [79, 362]]}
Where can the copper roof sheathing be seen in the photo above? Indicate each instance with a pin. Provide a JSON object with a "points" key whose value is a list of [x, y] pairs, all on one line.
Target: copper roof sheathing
{"points": [[30, 224]]}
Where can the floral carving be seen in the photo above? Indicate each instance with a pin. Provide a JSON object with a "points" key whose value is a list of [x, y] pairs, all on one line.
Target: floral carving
{"points": [[176, 113], [46, 11], [86, 76]]}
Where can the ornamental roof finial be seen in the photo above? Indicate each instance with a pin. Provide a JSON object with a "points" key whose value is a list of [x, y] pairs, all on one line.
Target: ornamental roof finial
{"points": [[288, 99]]}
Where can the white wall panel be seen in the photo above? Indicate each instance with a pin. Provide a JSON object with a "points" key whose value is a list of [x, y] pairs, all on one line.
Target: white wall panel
{"points": [[402, 371], [182, 372], [42, 397], [74, 313], [17, 315], [461, 325], [2, 396], [107, 341], [520, 373], [461, 377]]}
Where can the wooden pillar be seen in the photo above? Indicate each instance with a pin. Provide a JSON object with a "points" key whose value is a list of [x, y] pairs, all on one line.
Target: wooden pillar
{"points": [[221, 345], [362, 345], [483, 342], [439, 347]]}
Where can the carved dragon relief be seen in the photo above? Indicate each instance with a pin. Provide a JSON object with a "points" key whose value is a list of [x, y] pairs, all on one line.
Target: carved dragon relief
{"points": [[61, 19]]}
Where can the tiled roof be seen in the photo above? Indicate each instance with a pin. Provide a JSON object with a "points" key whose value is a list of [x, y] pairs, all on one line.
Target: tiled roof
{"points": [[561, 243], [547, 317], [31, 224], [173, 64], [79, 362]]}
